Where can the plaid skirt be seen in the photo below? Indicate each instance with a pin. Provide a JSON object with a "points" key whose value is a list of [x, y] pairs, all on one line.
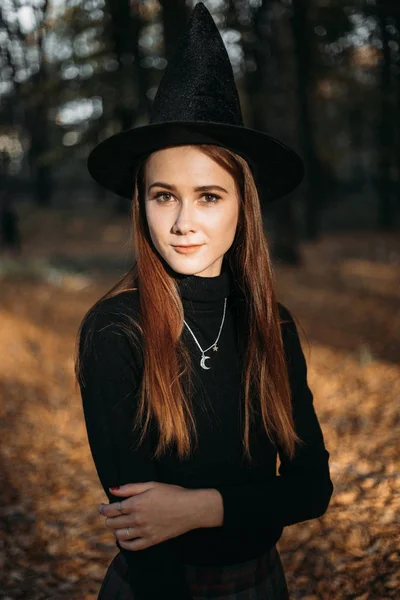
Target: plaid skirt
{"points": [[260, 578]]}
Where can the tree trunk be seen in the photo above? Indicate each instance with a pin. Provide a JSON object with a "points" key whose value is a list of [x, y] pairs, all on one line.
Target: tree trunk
{"points": [[174, 17], [301, 34], [385, 132]]}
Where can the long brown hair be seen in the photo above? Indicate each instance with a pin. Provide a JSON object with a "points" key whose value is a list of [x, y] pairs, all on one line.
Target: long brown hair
{"points": [[166, 361]]}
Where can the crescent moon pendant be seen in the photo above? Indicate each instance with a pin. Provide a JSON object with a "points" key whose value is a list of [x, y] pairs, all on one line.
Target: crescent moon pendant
{"points": [[203, 362]]}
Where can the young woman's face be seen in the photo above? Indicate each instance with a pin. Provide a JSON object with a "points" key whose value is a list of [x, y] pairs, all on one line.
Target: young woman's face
{"points": [[178, 213]]}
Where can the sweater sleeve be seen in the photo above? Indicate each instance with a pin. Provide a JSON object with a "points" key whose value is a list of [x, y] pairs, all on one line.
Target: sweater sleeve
{"points": [[111, 375], [303, 489]]}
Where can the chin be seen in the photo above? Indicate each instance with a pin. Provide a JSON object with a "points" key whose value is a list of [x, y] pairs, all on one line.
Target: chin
{"points": [[185, 269]]}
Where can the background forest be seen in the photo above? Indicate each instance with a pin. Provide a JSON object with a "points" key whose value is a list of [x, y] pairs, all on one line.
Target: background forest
{"points": [[321, 75]]}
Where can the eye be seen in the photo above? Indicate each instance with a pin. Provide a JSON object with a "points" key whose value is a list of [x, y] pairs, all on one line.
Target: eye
{"points": [[159, 194], [212, 196]]}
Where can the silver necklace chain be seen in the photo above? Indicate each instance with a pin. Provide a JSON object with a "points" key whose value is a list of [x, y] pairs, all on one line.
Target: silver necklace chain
{"points": [[213, 346]]}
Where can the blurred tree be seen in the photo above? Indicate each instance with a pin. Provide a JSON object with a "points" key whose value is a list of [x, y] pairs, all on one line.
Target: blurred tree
{"points": [[267, 106], [302, 35], [37, 118], [174, 18], [385, 137], [124, 43], [125, 28], [35, 113], [131, 78], [252, 21], [10, 235]]}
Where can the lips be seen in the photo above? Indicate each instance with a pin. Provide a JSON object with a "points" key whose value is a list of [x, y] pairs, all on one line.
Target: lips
{"points": [[186, 246], [187, 249]]}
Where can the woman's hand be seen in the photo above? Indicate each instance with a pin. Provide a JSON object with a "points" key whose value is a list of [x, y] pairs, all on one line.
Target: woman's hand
{"points": [[152, 512]]}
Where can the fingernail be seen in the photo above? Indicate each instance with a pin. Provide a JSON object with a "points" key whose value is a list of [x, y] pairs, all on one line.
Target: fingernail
{"points": [[100, 508], [115, 487]]}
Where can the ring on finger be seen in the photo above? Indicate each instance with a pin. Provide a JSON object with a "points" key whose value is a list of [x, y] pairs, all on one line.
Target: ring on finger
{"points": [[127, 531]]}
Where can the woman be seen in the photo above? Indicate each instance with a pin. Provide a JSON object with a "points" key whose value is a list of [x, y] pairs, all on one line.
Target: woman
{"points": [[192, 375]]}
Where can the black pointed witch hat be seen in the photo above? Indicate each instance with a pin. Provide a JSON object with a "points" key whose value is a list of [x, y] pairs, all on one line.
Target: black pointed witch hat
{"points": [[197, 103]]}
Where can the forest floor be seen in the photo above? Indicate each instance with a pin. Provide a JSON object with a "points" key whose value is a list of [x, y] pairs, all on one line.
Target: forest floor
{"points": [[346, 297]]}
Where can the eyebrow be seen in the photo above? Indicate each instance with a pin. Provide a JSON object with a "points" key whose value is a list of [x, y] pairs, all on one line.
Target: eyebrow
{"points": [[200, 188]]}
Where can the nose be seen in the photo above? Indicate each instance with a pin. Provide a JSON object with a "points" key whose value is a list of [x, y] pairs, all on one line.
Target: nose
{"points": [[184, 218]]}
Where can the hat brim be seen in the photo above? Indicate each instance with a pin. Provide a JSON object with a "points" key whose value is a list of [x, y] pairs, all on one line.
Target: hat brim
{"points": [[276, 168]]}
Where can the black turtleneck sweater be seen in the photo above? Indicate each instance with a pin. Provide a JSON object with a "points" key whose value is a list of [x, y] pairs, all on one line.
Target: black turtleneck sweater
{"points": [[258, 502]]}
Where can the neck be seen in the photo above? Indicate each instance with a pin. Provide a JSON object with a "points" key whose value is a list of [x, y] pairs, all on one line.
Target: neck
{"points": [[204, 294]]}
